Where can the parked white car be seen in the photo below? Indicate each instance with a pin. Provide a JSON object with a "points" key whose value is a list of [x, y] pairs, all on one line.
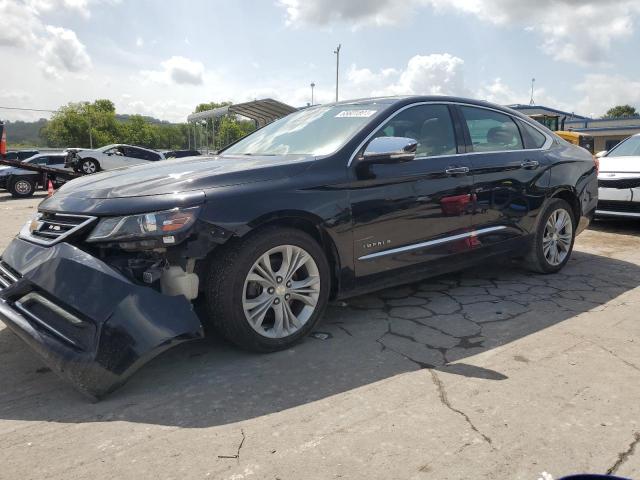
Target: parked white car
{"points": [[109, 157], [619, 180]]}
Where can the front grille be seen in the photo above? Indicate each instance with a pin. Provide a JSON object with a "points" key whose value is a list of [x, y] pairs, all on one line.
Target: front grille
{"points": [[619, 183], [7, 276], [614, 206], [50, 228]]}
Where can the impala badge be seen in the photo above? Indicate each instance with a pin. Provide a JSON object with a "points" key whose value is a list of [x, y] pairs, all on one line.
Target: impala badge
{"points": [[368, 245]]}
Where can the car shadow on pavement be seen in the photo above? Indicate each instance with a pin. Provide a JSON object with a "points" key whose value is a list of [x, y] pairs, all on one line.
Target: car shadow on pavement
{"points": [[435, 323]]}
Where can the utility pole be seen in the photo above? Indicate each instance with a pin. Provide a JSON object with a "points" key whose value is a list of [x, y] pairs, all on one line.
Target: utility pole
{"points": [[90, 136], [312, 87], [531, 102], [337, 52]]}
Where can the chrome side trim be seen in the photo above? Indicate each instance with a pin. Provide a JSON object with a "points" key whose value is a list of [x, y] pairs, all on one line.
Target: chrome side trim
{"points": [[7, 273], [546, 146], [607, 213], [431, 243]]}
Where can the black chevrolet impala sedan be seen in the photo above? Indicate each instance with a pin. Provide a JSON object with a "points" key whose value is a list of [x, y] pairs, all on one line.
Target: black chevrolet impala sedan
{"points": [[328, 202]]}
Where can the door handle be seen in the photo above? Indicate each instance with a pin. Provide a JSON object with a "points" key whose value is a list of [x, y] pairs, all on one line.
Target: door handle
{"points": [[457, 170], [530, 164]]}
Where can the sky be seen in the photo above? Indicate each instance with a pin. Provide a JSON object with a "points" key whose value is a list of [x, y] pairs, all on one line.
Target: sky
{"points": [[160, 58]]}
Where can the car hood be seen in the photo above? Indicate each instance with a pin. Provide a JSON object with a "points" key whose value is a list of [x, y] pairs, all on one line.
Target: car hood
{"points": [[619, 167], [184, 175]]}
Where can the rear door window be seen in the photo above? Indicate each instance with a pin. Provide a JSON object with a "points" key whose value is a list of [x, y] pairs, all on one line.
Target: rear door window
{"points": [[151, 156], [38, 161], [55, 160], [131, 152], [491, 131]]}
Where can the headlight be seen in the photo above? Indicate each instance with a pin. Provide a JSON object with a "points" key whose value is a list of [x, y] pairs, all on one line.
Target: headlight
{"points": [[161, 226]]}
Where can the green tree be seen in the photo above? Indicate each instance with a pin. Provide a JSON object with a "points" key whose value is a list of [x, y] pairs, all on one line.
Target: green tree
{"points": [[228, 128], [138, 131], [621, 111], [82, 124]]}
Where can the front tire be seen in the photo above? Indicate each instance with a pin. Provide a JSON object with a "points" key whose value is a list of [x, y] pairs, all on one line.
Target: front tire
{"points": [[89, 166], [553, 242], [22, 187], [267, 291]]}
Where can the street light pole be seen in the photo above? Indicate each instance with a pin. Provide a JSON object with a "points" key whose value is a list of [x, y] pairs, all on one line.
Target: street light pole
{"points": [[532, 102], [337, 52], [90, 136], [312, 87]]}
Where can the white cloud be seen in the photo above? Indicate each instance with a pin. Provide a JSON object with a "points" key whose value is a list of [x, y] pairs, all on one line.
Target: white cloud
{"points": [[600, 92], [168, 110], [435, 74], [59, 48], [82, 7], [62, 51], [570, 30], [19, 24], [355, 12], [503, 94], [139, 42], [178, 70]]}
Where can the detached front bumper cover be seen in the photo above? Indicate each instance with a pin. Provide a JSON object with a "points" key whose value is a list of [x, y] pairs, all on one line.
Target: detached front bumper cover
{"points": [[90, 324]]}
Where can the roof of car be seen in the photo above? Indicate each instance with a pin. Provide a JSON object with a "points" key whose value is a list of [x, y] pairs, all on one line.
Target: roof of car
{"points": [[390, 100], [52, 154]]}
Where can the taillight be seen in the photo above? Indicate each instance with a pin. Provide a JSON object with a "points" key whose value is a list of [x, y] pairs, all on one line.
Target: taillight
{"points": [[596, 161]]}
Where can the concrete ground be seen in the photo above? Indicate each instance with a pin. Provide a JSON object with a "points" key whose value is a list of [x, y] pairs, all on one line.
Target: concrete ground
{"points": [[492, 373]]}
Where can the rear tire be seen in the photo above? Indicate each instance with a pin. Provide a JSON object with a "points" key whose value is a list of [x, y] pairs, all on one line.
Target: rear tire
{"points": [[553, 241], [284, 299], [22, 187], [89, 166]]}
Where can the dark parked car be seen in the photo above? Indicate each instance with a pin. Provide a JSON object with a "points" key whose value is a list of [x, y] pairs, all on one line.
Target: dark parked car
{"points": [[328, 202], [20, 154], [23, 183], [181, 153]]}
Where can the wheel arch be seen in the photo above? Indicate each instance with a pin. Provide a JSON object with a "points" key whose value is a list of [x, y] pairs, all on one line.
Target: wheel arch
{"points": [[570, 196], [310, 224]]}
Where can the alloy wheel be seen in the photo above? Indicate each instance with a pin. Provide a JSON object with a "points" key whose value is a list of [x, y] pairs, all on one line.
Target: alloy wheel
{"points": [[281, 291], [557, 237], [23, 187], [89, 167]]}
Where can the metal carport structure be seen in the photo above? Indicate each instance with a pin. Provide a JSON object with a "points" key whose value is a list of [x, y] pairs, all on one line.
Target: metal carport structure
{"points": [[261, 112]]}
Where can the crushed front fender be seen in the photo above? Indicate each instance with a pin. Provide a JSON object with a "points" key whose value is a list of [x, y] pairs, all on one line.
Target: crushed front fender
{"points": [[89, 323]]}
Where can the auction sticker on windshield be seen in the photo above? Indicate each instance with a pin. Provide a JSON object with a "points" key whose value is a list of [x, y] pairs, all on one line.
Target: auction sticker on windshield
{"points": [[355, 113]]}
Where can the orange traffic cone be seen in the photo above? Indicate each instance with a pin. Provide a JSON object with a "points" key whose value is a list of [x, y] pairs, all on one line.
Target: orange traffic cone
{"points": [[50, 189]]}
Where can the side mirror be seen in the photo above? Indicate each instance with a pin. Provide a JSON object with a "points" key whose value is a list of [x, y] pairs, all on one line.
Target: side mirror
{"points": [[601, 154], [390, 150]]}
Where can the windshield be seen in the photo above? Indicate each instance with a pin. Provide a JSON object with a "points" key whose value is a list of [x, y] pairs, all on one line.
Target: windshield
{"points": [[313, 131], [628, 148]]}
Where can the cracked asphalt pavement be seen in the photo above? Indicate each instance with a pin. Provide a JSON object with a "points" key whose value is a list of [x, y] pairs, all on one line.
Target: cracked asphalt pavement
{"points": [[491, 373]]}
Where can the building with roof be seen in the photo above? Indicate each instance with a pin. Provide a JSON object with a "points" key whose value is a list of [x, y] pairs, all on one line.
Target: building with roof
{"points": [[606, 132]]}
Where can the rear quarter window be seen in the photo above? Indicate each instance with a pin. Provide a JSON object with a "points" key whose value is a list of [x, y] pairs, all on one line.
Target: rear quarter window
{"points": [[532, 137]]}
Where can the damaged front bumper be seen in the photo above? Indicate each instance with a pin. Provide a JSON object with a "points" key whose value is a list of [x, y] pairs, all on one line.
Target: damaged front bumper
{"points": [[89, 323]]}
